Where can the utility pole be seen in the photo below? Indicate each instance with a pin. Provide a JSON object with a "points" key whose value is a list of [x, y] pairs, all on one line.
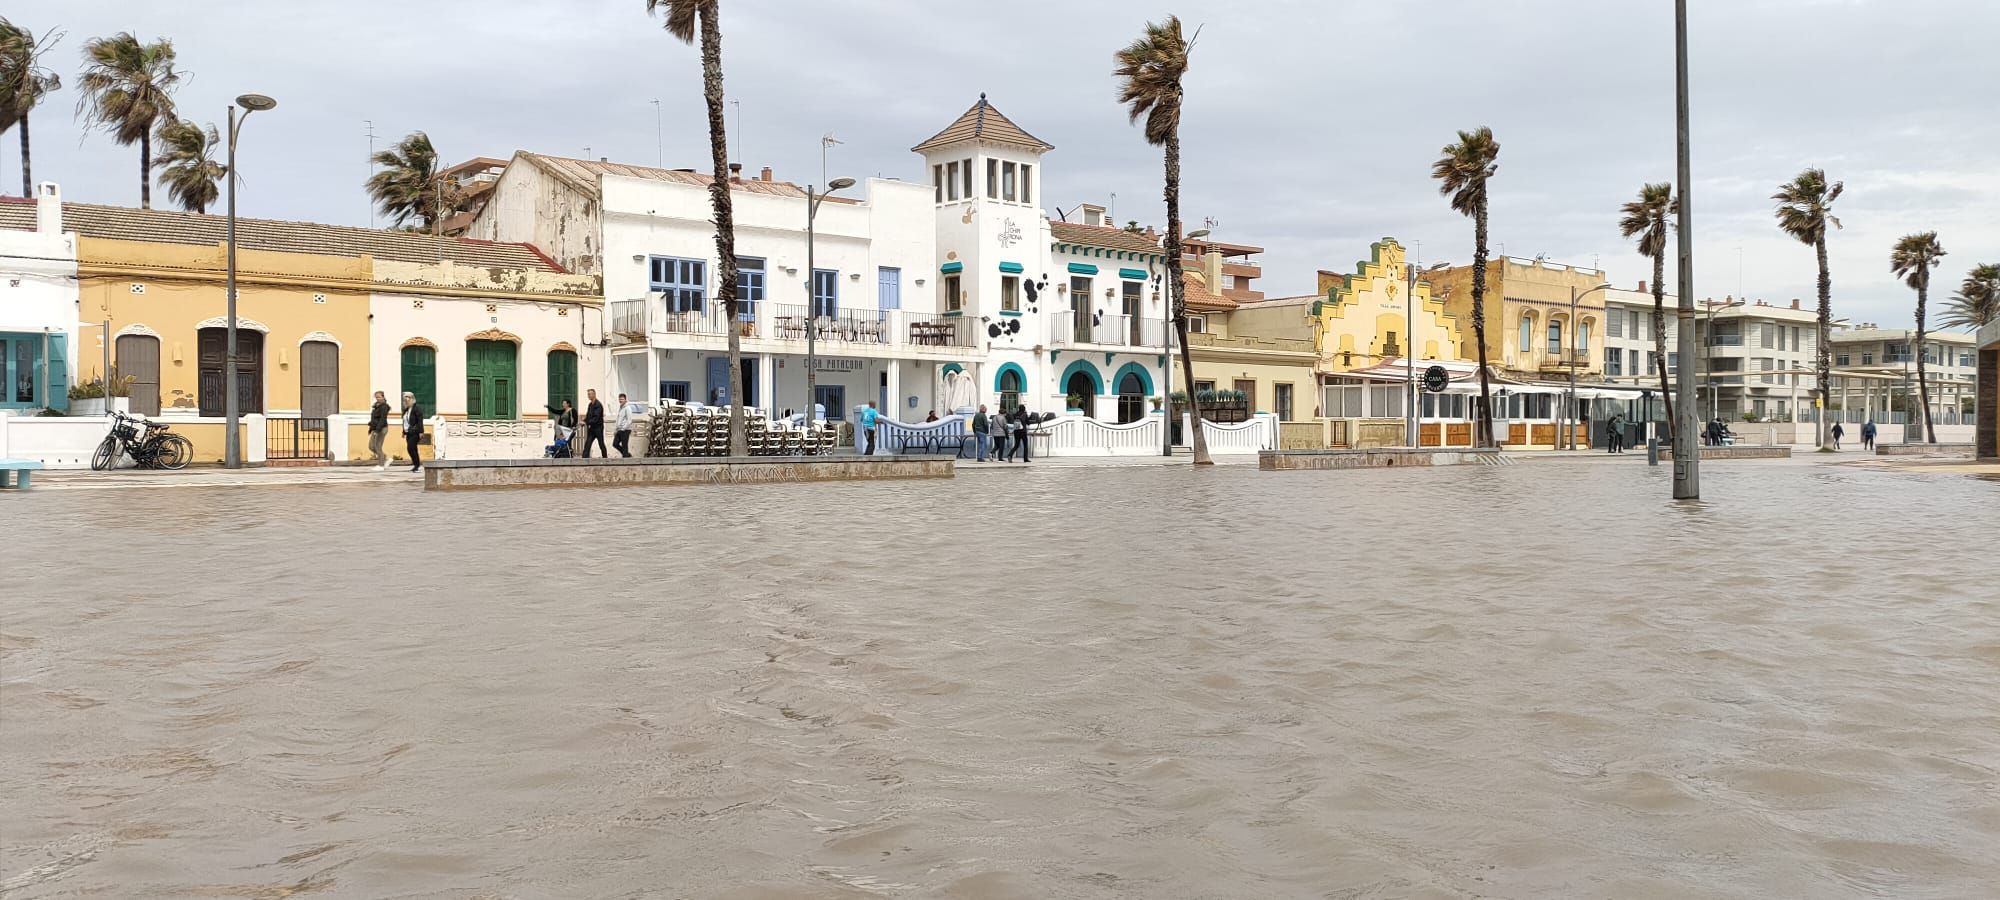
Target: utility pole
{"points": [[1687, 454]]}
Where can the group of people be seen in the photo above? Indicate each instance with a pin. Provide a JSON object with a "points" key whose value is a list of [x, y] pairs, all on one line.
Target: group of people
{"points": [[412, 424], [1005, 435], [1867, 435], [593, 426]]}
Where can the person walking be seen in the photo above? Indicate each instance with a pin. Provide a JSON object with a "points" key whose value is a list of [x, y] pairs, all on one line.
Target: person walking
{"points": [[1019, 421], [1868, 435], [982, 434], [593, 424], [413, 429], [378, 428], [566, 422], [1838, 433], [868, 417], [997, 425], [1614, 434], [621, 436]]}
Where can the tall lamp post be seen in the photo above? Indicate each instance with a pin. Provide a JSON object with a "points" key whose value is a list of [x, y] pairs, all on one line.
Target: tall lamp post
{"points": [[1410, 353], [1167, 341], [1687, 456], [813, 201], [1575, 359], [232, 443]]}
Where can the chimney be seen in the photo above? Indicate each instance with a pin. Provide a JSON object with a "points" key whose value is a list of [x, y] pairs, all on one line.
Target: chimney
{"points": [[1642, 285], [736, 173], [764, 175], [604, 159], [48, 208], [1795, 303], [1211, 270]]}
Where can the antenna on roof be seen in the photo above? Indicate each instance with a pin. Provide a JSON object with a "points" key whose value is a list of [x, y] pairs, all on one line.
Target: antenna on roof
{"points": [[825, 141], [659, 138], [371, 166]]}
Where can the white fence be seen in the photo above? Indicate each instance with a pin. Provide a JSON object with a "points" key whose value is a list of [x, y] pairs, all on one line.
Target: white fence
{"points": [[466, 439], [1068, 435], [892, 436], [58, 442], [1259, 432]]}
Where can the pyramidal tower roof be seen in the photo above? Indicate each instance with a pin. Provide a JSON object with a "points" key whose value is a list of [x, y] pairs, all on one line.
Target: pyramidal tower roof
{"points": [[983, 122]]}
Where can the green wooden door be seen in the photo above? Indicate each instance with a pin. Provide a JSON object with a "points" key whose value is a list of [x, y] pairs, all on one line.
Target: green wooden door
{"points": [[562, 380], [489, 380], [419, 378]]}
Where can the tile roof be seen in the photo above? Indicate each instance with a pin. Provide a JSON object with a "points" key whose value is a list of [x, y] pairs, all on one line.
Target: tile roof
{"points": [[1200, 297], [173, 227], [582, 174], [984, 122], [1108, 237]]}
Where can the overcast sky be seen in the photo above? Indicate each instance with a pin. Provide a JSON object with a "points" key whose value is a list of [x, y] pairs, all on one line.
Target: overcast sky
{"points": [[1309, 130]]}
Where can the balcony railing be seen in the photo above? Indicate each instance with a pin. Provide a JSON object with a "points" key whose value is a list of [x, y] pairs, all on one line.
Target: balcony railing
{"points": [[628, 318], [706, 319], [1562, 359], [1069, 328], [926, 330], [863, 326], [1246, 342]]}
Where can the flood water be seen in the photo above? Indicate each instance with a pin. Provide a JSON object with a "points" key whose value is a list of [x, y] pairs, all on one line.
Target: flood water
{"points": [[1536, 681]]}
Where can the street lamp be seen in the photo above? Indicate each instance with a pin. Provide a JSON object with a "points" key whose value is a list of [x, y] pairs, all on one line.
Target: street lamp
{"points": [[1687, 457], [1708, 357], [1575, 359], [1167, 373], [232, 443], [1410, 353], [813, 201]]}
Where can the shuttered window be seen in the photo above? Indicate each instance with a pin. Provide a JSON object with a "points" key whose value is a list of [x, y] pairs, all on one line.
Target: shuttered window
{"points": [[319, 379], [139, 366], [562, 379]]}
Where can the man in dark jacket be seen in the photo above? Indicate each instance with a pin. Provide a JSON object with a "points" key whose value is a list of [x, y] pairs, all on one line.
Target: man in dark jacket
{"points": [[593, 425], [413, 429], [378, 428], [981, 431], [1018, 422]]}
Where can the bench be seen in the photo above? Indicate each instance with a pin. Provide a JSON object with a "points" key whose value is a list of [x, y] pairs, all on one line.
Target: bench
{"points": [[23, 466], [937, 443]]}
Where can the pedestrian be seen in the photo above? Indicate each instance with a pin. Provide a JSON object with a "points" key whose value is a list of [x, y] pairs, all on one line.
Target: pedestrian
{"points": [[1614, 434], [931, 418], [997, 424], [413, 429], [1838, 433], [1019, 421], [566, 422], [1868, 435], [621, 437], [868, 417], [378, 428], [982, 435], [593, 424]]}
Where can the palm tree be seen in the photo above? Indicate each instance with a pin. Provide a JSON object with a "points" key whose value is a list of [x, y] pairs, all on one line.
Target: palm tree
{"points": [[681, 20], [1150, 70], [1977, 301], [1912, 260], [407, 185], [1805, 208], [1462, 173], [1646, 218], [23, 84], [187, 164], [128, 89]]}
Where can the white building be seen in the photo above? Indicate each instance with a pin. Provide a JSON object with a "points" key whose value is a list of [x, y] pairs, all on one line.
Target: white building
{"points": [[1875, 374], [1071, 315], [874, 302], [1751, 359], [39, 332]]}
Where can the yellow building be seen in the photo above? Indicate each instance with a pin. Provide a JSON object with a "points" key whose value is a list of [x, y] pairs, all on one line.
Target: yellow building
{"points": [[1528, 331], [1263, 350], [1365, 317], [309, 342]]}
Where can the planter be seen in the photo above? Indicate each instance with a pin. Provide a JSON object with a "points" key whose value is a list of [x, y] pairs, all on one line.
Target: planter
{"points": [[94, 406]]}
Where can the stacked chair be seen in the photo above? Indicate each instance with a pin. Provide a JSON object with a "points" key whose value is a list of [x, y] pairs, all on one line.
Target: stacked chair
{"points": [[683, 430]]}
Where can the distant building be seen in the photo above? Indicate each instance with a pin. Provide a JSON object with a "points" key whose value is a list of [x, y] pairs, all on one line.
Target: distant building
{"points": [[1876, 375], [1986, 434], [1528, 329], [40, 337], [1264, 348]]}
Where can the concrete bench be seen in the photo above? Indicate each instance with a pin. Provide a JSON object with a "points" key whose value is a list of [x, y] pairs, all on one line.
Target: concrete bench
{"points": [[23, 466]]}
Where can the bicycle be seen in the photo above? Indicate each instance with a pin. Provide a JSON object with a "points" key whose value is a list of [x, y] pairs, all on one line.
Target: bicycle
{"points": [[150, 444]]}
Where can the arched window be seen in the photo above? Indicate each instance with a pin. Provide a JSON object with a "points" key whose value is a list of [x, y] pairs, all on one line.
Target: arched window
{"points": [[1131, 398], [1527, 332], [139, 366], [1011, 387], [420, 377], [1555, 337], [562, 379], [319, 379], [1583, 336]]}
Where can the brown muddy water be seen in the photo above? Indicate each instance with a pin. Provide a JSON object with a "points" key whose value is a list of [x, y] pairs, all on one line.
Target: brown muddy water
{"points": [[1525, 682]]}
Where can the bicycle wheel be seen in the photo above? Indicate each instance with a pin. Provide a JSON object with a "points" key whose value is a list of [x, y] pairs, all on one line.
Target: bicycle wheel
{"points": [[106, 455], [175, 452]]}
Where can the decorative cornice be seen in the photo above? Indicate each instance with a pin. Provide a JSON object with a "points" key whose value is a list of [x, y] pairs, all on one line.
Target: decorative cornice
{"points": [[493, 334]]}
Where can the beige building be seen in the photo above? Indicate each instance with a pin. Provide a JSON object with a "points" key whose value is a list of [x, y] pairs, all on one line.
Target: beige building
{"points": [[1875, 375], [1529, 331], [1264, 349]]}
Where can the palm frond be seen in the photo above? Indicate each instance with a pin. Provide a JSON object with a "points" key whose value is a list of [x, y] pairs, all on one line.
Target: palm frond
{"points": [[1646, 217], [1150, 70], [127, 87], [1464, 166], [24, 81], [407, 185], [187, 164], [682, 15], [1914, 256], [1977, 302], [1805, 205]]}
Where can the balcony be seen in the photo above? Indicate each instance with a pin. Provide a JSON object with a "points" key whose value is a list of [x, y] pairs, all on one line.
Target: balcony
{"points": [[1069, 329], [1564, 360], [628, 319], [863, 326], [926, 330]]}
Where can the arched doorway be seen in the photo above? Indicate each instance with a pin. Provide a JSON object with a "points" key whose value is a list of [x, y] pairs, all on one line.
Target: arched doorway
{"points": [[319, 379], [1011, 383], [1131, 398], [489, 379], [1082, 393]]}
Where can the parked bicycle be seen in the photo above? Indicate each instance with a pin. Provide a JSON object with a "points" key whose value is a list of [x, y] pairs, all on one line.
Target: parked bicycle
{"points": [[150, 444]]}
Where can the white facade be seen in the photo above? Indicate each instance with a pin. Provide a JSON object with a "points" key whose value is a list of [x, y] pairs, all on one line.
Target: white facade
{"points": [[40, 337], [1875, 374]]}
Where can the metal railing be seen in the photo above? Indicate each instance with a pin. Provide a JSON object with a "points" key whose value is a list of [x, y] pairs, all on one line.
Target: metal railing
{"points": [[1069, 328], [628, 317], [927, 330], [295, 438], [709, 319], [862, 326]]}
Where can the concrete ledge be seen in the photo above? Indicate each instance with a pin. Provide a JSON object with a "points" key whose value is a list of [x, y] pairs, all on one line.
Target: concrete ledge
{"points": [[476, 474], [1952, 451], [1379, 458], [1736, 453]]}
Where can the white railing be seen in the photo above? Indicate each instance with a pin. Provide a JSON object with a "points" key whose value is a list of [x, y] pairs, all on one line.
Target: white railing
{"points": [[1069, 435], [1259, 432], [1070, 328], [892, 436], [628, 317]]}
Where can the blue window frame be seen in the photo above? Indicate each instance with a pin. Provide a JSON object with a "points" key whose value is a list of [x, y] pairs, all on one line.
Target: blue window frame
{"points": [[890, 287], [749, 287], [21, 367], [826, 293], [683, 283]]}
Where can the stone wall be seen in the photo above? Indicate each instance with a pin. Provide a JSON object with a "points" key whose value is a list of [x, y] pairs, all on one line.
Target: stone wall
{"points": [[1735, 452], [1370, 459], [448, 475]]}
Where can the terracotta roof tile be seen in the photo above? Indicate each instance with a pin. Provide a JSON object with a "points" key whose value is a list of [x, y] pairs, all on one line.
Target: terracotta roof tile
{"points": [[983, 122], [172, 227], [1200, 297], [1105, 236], [581, 174]]}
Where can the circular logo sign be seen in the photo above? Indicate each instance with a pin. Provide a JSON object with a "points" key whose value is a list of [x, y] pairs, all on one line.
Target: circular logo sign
{"points": [[1436, 379]]}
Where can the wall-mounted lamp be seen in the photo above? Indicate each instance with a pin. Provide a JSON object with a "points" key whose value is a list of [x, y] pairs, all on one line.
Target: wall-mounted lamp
{"points": [[638, 257], [920, 282], [791, 270], [1109, 293], [854, 276]]}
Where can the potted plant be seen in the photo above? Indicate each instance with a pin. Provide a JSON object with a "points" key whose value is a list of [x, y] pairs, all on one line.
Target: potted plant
{"points": [[88, 398], [1076, 403]]}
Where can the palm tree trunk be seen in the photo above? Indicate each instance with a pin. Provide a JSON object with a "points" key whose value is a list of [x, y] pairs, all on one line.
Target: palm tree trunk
{"points": [[1923, 383], [1823, 354], [1177, 292], [1660, 334], [145, 171], [27, 168], [725, 222], [1484, 414]]}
